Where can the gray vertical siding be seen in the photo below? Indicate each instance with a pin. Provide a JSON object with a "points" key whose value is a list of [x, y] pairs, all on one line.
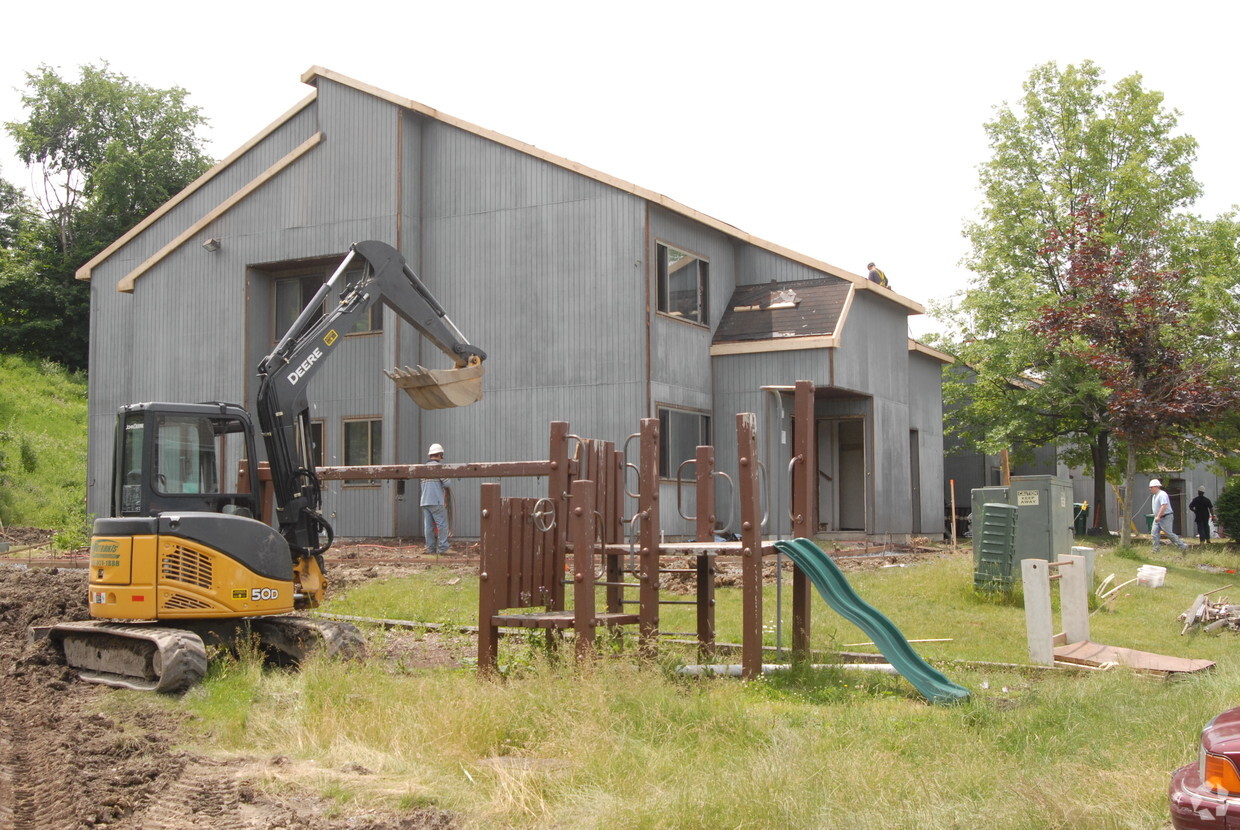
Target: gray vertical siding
{"points": [[547, 270], [925, 416], [873, 358], [543, 269]]}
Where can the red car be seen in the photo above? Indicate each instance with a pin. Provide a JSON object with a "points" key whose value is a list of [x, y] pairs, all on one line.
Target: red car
{"points": [[1206, 794]]}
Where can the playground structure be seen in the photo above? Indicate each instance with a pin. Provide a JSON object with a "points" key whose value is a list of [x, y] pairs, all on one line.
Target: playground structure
{"points": [[580, 530], [526, 547]]}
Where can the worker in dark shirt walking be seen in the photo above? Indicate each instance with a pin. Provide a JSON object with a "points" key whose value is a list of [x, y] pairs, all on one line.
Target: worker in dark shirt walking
{"points": [[1203, 512]]}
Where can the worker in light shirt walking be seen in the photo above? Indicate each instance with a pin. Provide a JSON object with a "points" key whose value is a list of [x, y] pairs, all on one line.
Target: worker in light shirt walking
{"points": [[1163, 515]]}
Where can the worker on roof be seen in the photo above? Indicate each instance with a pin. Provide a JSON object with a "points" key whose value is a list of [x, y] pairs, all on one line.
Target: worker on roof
{"points": [[876, 275]]}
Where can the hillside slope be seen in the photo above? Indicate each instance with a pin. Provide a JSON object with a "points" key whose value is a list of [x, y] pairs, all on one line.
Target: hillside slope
{"points": [[43, 447]]}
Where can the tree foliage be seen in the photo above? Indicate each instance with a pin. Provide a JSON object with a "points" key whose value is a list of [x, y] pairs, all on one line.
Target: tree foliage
{"points": [[1121, 315], [1227, 508], [1068, 142], [107, 151]]}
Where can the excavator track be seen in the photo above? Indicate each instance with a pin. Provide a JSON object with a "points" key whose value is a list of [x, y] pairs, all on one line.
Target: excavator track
{"points": [[145, 658], [159, 658], [295, 638]]}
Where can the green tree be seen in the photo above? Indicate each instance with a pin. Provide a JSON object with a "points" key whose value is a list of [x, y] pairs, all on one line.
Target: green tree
{"points": [[1227, 509], [1121, 315], [1069, 140], [107, 151], [16, 213]]}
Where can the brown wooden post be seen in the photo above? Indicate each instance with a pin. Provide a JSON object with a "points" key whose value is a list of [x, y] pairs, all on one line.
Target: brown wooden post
{"points": [[266, 493], [491, 543], [557, 493], [648, 537], [581, 538], [751, 545], [243, 476], [804, 510], [705, 532]]}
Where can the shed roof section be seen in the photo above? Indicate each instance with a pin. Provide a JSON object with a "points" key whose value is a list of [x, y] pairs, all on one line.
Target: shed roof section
{"points": [[802, 308]]}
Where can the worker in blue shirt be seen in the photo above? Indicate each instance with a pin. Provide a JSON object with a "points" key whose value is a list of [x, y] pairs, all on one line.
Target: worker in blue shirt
{"points": [[435, 493]]}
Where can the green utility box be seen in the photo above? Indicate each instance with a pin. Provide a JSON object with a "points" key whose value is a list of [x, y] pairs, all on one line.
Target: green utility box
{"points": [[1044, 517], [994, 545], [1080, 517]]}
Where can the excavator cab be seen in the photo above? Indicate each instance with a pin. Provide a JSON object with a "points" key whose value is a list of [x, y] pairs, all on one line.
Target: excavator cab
{"points": [[180, 457]]}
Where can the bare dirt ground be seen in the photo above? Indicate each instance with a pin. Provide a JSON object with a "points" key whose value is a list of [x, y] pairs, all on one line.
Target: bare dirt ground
{"points": [[65, 765]]}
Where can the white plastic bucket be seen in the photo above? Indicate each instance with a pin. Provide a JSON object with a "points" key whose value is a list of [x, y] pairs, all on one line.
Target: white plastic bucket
{"points": [[1152, 576]]}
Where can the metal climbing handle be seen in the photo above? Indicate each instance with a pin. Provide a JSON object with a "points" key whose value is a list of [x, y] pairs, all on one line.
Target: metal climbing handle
{"points": [[731, 501], [763, 483], [624, 452], [634, 523], [679, 481], [792, 463], [576, 453]]}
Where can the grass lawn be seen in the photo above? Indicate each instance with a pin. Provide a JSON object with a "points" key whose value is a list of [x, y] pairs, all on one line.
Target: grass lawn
{"points": [[621, 744]]}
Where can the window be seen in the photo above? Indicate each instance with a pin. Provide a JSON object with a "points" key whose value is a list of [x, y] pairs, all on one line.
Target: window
{"points": [[295, 287], [292, 295], [683, 282], [131, 455], [363, 440], [187, 459], [681, 432]]}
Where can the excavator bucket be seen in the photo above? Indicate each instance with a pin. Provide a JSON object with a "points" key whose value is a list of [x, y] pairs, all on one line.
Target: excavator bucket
{"points": [[440, 388]]}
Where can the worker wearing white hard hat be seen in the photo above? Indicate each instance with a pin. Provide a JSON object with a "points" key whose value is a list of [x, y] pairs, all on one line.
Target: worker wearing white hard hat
{"points": [[435, 494], [1163, 515]]}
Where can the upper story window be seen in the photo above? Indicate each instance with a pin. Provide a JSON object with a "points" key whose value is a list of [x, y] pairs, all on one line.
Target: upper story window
{"points": [[681, 432], [684, 279], [295, 291]]}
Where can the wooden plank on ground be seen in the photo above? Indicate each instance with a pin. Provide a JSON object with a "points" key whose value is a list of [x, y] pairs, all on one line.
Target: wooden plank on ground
{"points": [[1088, 653]]}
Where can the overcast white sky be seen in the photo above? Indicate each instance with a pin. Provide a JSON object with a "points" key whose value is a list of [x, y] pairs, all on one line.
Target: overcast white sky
{"points": [[843, 130]]}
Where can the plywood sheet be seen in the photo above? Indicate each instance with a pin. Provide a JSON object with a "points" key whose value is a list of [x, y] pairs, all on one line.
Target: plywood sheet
{"points": [[1088, 653]]}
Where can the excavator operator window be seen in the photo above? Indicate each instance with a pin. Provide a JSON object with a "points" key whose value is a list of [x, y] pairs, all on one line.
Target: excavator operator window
{"points": [[192, 450], [185, 455], [131, 464]]}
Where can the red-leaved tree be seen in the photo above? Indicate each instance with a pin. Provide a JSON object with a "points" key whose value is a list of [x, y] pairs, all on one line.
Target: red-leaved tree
{"points": [[1120, 313]]}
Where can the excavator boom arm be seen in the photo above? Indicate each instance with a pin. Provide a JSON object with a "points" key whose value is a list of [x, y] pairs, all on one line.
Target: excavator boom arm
{"points": [[283, 409]]}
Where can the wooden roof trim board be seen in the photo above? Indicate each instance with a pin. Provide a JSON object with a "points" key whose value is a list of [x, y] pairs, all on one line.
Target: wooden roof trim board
{"points": [[928, 351], [84, 272], [839, 324], [777, 344], [315, 72], [126, 284]]}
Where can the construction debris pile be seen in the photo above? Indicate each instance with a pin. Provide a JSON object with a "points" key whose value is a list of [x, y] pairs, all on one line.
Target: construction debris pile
{"points": [[1211, 615]]}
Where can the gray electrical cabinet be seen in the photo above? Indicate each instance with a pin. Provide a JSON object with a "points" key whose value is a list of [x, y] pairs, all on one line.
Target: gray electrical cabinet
{"points": [[1043, 517]]}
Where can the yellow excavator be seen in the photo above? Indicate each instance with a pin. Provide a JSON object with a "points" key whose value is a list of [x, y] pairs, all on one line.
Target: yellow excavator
{"points": [[184, 561]]}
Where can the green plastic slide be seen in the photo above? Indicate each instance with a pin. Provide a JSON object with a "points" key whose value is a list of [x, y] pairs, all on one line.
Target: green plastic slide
{"points": [[834, 588]]}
